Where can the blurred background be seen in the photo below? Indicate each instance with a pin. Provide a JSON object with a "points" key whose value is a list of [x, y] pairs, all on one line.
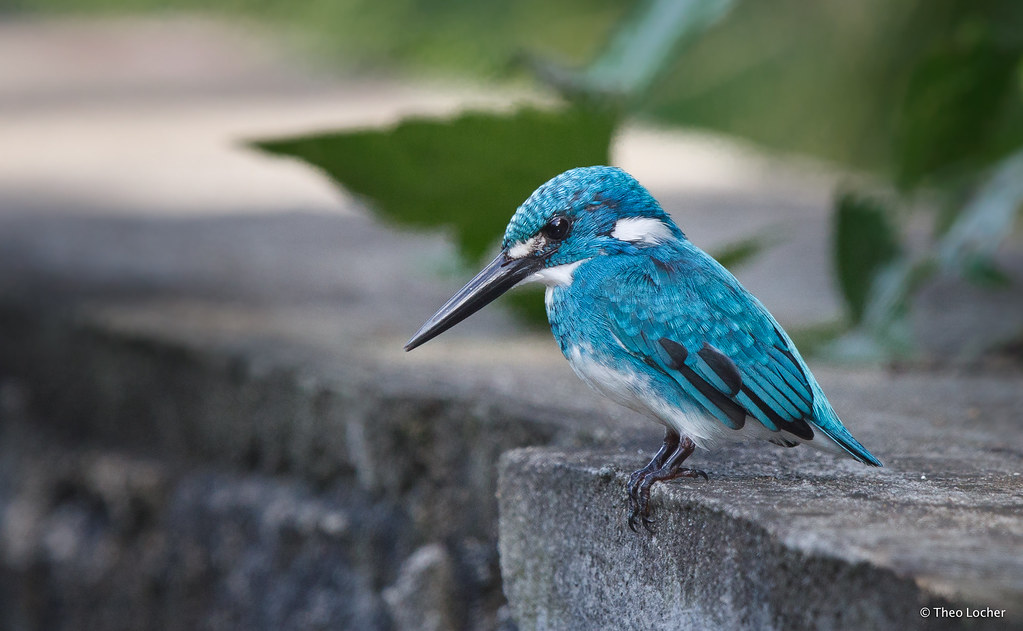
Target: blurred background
{"points": [[219, 222], [898, 122]]}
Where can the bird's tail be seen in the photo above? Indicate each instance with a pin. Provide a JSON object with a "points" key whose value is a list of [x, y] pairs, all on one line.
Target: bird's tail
{"points": [[841, 437], [827, 421]]}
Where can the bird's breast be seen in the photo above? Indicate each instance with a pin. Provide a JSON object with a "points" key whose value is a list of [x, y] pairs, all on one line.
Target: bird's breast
{"points": [[613, 379]]}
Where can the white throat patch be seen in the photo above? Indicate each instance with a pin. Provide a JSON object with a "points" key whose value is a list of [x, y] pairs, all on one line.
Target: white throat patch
{"points": [[644, 230], [559, 275]]}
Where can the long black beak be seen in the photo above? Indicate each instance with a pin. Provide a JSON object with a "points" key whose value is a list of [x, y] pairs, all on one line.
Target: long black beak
{"points": [[497, 277]]}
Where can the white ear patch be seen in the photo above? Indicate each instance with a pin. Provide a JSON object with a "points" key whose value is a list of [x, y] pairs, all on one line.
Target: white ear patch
{"points": [[644, 230]]}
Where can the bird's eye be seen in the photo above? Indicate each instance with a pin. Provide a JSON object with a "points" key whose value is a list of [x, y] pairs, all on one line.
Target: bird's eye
{"points": [[557, 228]]}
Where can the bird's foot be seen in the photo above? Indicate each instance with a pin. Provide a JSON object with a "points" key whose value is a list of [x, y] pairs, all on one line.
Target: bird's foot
{"points": [[660, 469], [636, 479], [639, 495], [668, 448]]}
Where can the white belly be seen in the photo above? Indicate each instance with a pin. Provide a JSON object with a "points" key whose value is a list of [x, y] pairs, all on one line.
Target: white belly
{"points": [[638, 392]]}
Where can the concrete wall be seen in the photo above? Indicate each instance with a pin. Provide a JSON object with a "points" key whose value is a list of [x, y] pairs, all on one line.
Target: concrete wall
{"points": [[152, 483]]}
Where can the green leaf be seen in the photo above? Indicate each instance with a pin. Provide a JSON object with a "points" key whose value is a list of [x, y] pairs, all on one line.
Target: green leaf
{"points": [[865, 242], [467, 174]]}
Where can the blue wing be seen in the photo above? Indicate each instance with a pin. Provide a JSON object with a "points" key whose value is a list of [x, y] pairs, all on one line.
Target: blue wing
{"points": [[687, 317]]}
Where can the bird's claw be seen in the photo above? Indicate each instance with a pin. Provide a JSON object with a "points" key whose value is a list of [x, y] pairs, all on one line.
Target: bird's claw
{"points": [[639, 498], [647, 522], [639, 491]]}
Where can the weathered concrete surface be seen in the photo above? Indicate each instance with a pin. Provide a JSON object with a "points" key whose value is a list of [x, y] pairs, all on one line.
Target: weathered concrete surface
{"points": [[765, 545], [96, 539], [241, 382], [787, 539]]}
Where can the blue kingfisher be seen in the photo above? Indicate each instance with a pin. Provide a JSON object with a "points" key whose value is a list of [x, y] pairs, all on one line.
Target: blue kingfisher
{"points": [[654, 323]]}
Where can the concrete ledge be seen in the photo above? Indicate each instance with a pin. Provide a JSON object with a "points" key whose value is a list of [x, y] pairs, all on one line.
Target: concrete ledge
{"points": [[752, 550], [777, 539], [242, 447], [276, 363]]}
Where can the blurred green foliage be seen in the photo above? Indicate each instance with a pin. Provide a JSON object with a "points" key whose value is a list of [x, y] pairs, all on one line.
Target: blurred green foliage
{"points": [[737, 253], [924, 95], [960, 111], [407, 36], [466, 174], [957, 136], [852, 82], [866, 84], [865, 242]]}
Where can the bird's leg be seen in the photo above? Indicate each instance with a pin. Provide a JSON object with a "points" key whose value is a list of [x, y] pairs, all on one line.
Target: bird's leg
{"points": [[668, 468], [670, 445]]}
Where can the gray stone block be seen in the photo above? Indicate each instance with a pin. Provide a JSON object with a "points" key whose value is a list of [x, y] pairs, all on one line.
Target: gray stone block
{"points": [[832, 547]]}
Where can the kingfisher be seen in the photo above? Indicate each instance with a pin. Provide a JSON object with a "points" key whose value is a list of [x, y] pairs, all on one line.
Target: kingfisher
{"points": [[653, 322]]}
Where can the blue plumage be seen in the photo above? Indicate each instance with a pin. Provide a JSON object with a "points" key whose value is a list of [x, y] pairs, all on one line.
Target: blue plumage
{"points": [[653, 322]]}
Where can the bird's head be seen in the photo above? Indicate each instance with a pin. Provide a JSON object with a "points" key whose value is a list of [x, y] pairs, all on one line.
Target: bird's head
{"points": [[574, 217]]}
